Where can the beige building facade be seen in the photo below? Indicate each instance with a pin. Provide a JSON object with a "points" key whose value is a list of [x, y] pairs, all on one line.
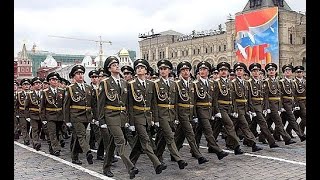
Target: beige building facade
{"points": [[215, 46]]}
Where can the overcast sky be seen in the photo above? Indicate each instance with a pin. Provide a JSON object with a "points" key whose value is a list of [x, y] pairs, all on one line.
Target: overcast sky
{"points": [[119, 21]]}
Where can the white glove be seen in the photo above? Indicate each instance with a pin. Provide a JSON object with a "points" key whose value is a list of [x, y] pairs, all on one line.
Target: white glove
{"points": [[282, 110], [218, 115], [297, 108], [126, 125], [254, 114], [157, 124], [279, 112], [176, 121], [28, 119], [103, 126], [268, 111], [265, 112], [249, 113], [69, 124], [212, 118], [92, 122], [235, 115], [17, 116], [44, 122], [152, 123], [195, 120], [96, 123], [132, 128]]}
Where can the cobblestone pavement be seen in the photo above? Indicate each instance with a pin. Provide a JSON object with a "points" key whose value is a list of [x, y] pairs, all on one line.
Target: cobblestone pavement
{"points": [[286, 162]]}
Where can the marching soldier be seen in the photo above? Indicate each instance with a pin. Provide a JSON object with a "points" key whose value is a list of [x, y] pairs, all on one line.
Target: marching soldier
{"points": [[241, 94], [300, 98], [288, 89], [24, 123], [141, 108], [32, 110], [16, 116], [95, 135], [78, 104], [203, 98], [51, 112], [256, 103], [273, 102], [232, 74], [186, 111], [224, 96], [166, 115], [112, 107]]}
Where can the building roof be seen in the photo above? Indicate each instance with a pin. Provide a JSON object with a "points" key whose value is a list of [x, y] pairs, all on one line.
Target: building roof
{"points": [[49, 62], [87, 61], [123, 52], [170, 32], [266, 3]]}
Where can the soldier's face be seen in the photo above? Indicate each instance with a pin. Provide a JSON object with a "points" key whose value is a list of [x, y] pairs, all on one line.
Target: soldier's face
{"points": [[26, 86], [185, 73], [272, 72], [45, 85], [288, 72], [37, 86], [299, 74], [78, 77], [203, 72], [255, 73], [223, 73], [54, 82], [239, 72], [164, 71], [141, 70], [95, 79], [15, 87], [127, 76], [114, 68]]}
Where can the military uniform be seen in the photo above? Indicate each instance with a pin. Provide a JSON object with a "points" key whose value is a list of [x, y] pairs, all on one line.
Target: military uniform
{"points": [[51, 111], [241, 95], [287, 95], [15, 114], [273, 103], [141, 110], [113, 106], [166, 102], [223, 95], [78, 104], [32, 108], [186, 113], [205, 105], [256, 105], [20, 111]]}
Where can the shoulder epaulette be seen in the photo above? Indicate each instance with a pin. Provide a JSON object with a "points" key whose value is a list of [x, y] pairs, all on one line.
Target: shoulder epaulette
{"points": [[177, 80], [60, 88], [217, 79], [249, 80], [266, 79], [132, 81], [233, 80], [195, 81], [157, 80], [282, 80]]}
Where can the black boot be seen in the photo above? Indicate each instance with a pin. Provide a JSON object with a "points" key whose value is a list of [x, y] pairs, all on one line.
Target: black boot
{"points": [[182, 164]]}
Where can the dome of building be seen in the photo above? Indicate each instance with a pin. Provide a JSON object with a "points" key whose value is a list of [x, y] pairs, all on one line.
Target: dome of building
{"points": [[123, 52], [49, 62]]}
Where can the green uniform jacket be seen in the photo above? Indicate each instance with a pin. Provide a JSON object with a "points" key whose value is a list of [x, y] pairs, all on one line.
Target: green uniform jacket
{"points": [[113, 102], [20, 104], [51, 105], [224, 96], [32, 105], [166, 99], [186, 108], [141, 101], [241, 94], [78, 104], [300, 91], [204, 100], [272, 92], [256, 100]]}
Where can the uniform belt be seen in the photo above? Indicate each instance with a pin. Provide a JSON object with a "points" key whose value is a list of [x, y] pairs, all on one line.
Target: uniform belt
{"points": [[141, 108], [300, 98], [80, 107], [224, 102], [34, 109], [287, 97], [203, 104], [241, 100], [53, 109], [257, 99], [116, 108], [274, 98], [21, 108], [185, 105], [166, 106]]}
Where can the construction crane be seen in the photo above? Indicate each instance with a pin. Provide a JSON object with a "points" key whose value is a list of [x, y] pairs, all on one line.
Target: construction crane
{"points": [[100, 65]]}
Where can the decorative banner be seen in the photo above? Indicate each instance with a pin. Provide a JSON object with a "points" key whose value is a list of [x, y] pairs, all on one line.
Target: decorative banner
{"points": [[257, 37]]}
